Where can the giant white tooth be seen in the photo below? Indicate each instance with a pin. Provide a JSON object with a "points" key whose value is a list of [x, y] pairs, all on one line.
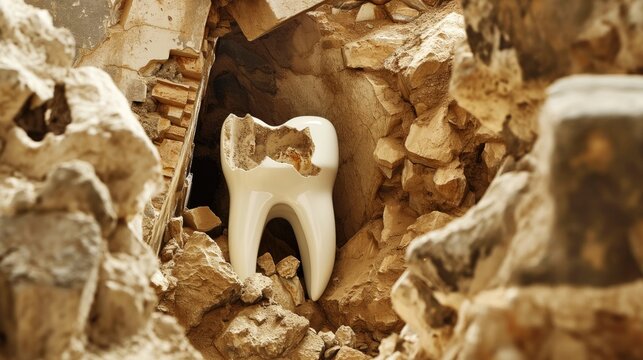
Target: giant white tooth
{"points": [[286, 171]]}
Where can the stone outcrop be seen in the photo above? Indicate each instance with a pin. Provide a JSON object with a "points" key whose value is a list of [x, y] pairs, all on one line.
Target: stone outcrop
{"points": [[74, 271], [540, 244], [515, 51]]}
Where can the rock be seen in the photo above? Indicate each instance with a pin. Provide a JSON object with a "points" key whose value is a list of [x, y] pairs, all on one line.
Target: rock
{"points": [[124, 300], [175, 229], [287, 267], [258, 18], [370, 51], [450, 183], [420, 5], [389, 152], [262, 332], [397, 218], [330, 353], [424, 224], [400, 12], [294, 288], [347, 353], [204, 280], [45, 311], [255, 287], [493, 154], [310, 347], [369, 12], [280, 294], [73, 186], [345, 336], [314, 313], [432, 141], [358, 294], [201, 219], [266, 264], [329, 339], [423, 65]]}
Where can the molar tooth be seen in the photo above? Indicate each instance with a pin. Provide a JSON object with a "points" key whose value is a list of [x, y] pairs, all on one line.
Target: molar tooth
{"points": [[286, 171]]}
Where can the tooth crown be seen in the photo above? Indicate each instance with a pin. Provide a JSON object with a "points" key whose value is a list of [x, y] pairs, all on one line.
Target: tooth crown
{"points": [[285, 171]]}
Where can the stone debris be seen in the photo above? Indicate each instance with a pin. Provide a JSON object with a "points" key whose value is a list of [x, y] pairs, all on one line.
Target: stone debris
{"points": [[266, 264], [345, 336], [201, 219], [370, 12], [264, 332], [255, 288], [401, 12], [257, 18], [76, 272], [347, 353], [287, 267], [204, 280]]}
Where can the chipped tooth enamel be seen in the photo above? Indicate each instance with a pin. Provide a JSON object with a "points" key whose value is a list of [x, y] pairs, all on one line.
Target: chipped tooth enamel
{"points": [[288, 172]]}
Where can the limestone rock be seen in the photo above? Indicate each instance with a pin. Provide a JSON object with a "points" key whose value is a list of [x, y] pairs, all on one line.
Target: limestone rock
{"points": [[255, 287], [329, 339], [310, 347], [345, 336], [370, 51], [422, 65], [295, 289], [423, 224], [201, 219], [204, 280], [359, 294], [124, 300], [266, 264], [397, 217], [314, 313], [280, 293], [401, 12], [493, 154], [369, 12], [347, 353], [262, 332], [287, 267], [44, 311], [389, 152], [432, 141], [260, 17]]}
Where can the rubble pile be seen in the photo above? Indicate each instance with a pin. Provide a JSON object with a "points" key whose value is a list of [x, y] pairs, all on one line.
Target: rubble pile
{"points": [[74, 270]]}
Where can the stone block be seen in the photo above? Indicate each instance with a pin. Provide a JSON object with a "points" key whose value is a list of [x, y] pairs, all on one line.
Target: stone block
{"points": [[258, 17]]}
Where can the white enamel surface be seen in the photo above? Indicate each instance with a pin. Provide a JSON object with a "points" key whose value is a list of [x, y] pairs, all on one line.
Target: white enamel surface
{"points": [[277, 190]]}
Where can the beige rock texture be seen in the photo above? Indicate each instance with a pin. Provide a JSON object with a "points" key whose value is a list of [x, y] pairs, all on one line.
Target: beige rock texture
{"points": [[287, 267], [262, 332], [201, 219], [542, 238], [74, 271], [204, 280], [514, 52]]}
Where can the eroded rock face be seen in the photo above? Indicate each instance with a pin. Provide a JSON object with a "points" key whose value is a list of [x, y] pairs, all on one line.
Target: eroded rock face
{"points": [[74, 272], [514, 51], [540, 237], [204, 280], [262, 332]]}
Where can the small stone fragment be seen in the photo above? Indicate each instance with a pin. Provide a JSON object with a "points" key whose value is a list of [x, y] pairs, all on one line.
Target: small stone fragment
{"points": [[201, 219], [266, 264], [255, 287], [347, 353], [329, 339], [369, 11], [296, 291], [280, 294], [400, 12], [345, 336], [258, 331], [287, 267], [310, 348], [330, 353], [389, 152]]}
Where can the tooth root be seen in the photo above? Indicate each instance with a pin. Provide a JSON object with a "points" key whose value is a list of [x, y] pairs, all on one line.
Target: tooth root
{"points": [[264, 189], [315, 231], [248, 215]]}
